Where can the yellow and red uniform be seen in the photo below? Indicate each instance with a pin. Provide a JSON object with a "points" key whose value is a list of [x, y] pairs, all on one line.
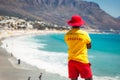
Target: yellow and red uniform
{"points": [[77, 41]]}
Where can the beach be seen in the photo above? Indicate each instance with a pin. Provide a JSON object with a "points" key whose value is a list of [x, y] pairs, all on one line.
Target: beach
{"points": [[11, 70], [38, 54]]}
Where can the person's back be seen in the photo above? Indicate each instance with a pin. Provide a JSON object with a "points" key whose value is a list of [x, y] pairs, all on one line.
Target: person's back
{"points": [[76, 40]]}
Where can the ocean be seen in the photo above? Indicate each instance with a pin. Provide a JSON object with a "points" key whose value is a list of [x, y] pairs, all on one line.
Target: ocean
{"points": [[49, 52]]}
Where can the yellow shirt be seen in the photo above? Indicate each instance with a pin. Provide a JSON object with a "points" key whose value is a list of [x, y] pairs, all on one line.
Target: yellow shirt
{"points": [[77, 41]]}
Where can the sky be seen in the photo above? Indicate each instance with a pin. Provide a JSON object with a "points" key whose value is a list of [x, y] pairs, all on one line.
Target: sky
{"points": [[112, 7]]}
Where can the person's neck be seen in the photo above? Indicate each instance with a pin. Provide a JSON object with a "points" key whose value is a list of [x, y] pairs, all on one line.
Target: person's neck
{"points": [[75, 27]]}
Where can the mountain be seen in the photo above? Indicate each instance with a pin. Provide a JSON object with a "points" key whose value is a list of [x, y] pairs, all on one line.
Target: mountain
{"points": [[59, 11], [118, 18]]}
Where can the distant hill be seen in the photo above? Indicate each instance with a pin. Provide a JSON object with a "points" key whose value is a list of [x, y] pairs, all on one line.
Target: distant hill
{"points": [[118, 18], [59, 11]]}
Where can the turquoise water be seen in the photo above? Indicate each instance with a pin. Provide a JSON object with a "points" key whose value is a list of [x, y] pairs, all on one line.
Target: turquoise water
{"points": [[104, 54], [55, 42]]}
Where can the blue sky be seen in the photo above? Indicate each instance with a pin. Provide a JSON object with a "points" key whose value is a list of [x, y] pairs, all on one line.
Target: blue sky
{"points": [[112, 7]]}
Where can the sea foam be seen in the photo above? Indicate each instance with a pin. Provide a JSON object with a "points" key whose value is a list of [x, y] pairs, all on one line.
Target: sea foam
{"points": [[29, 53]]}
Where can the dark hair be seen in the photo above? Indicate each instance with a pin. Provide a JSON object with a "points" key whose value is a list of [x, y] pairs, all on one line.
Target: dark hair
{"points": [[75, 26]]}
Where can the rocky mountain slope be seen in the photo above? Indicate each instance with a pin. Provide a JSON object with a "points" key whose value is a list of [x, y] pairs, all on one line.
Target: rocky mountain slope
{"points": [[59, 11]]}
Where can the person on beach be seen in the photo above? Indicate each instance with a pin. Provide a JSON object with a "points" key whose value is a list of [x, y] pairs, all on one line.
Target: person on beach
{"points": [[19, 61], [40, 76], [29, 78], [78, 41]]}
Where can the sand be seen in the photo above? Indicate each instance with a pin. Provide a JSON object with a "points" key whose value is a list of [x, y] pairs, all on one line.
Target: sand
{"points": [[11, 70]]}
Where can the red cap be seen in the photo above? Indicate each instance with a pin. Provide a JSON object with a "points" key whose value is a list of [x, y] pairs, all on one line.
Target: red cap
{"points": [[76, 20]]}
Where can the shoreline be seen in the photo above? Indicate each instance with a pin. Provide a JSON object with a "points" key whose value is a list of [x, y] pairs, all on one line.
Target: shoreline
{"points": [[11, 70]]}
